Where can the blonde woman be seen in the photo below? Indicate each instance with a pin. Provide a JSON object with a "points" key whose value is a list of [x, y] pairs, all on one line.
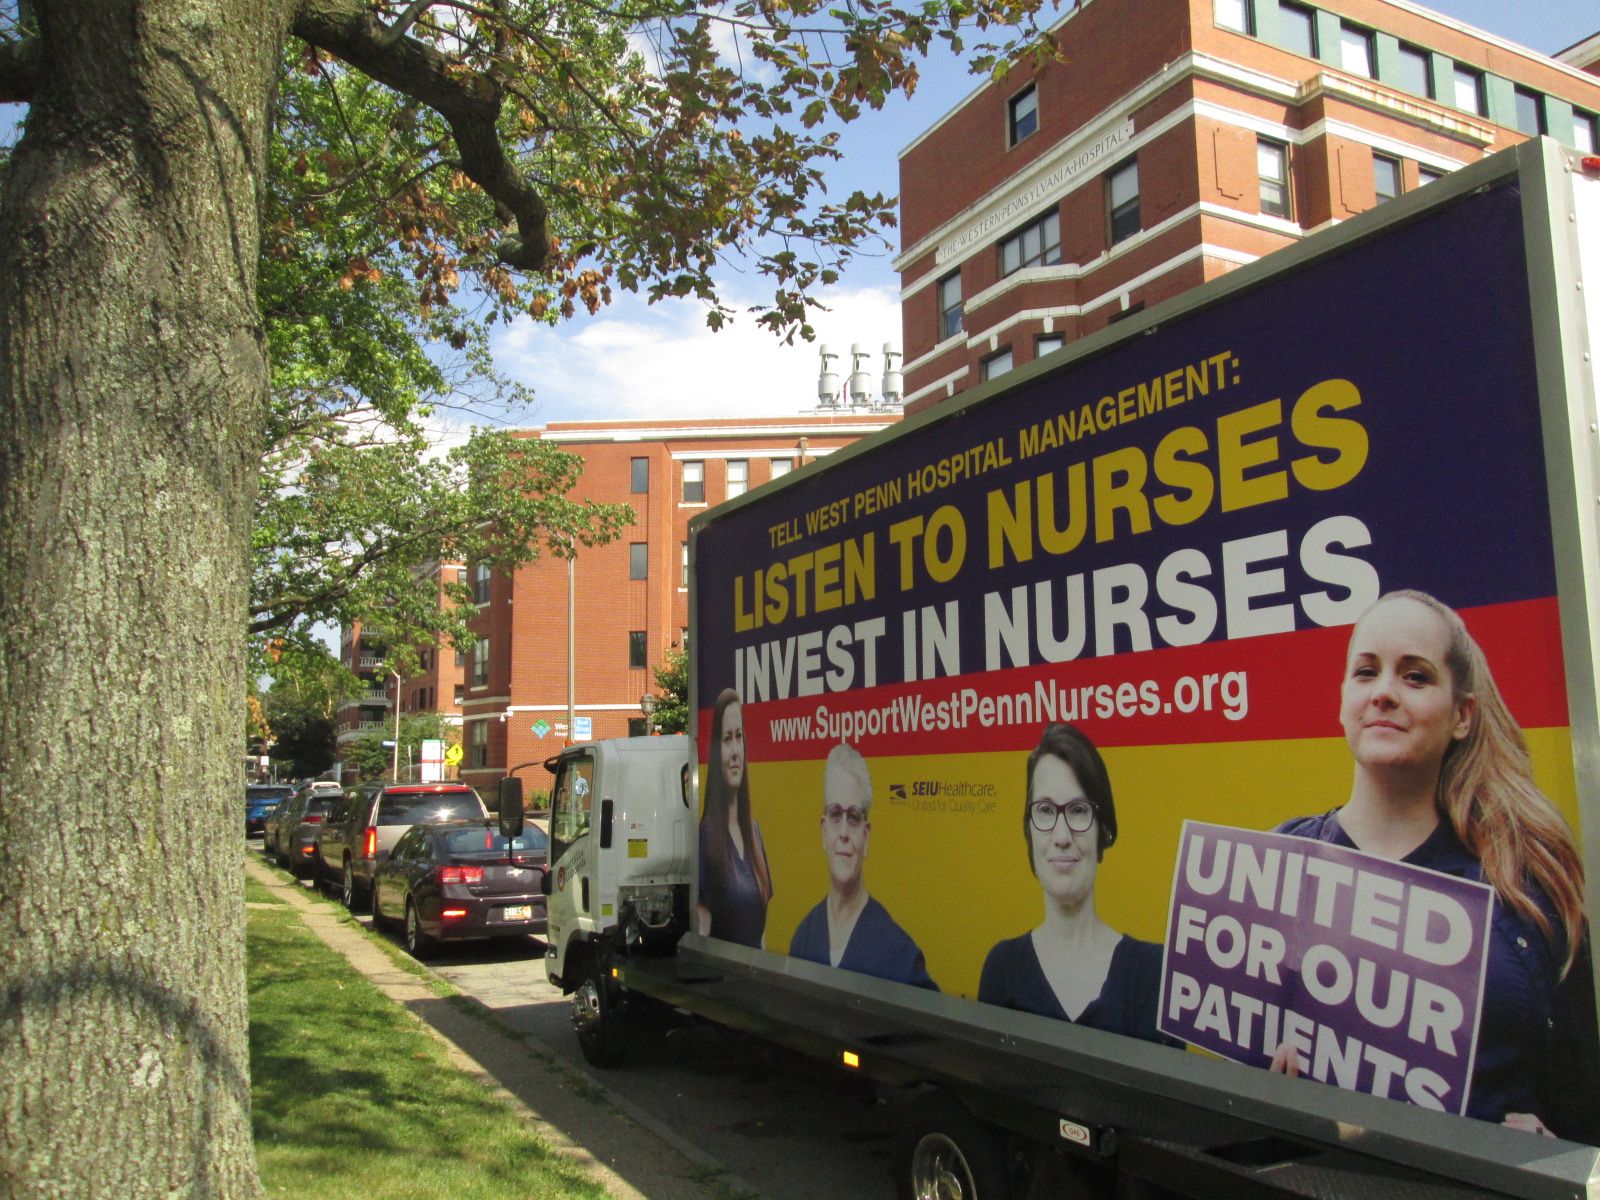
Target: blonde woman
{"points": [[1443, 780]]}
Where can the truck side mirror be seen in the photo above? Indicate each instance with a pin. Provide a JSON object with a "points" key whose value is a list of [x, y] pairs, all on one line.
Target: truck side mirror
{"points": [[511, 806]]}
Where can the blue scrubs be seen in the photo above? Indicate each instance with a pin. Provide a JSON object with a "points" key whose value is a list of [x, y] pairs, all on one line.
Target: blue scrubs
{"points": [[1127, 1003], [738, 913], [1537, 1044], [877, 946]]}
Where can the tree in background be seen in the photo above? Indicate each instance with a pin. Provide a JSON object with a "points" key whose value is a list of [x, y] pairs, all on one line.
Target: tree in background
{"points": [[374, 760], [672, 693], [529, 152]]}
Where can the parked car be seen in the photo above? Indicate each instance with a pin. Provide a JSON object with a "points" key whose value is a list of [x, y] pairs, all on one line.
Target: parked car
{"points": [[461, 880], [259, 801], [291, 834], [361, 829]]}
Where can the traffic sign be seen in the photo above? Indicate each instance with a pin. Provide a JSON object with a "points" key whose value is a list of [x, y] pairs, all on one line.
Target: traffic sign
{"points": [[582, 729], [453, 755]]}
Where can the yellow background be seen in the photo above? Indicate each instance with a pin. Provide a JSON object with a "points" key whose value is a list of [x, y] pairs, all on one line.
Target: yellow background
{"points": [[960, 883]]}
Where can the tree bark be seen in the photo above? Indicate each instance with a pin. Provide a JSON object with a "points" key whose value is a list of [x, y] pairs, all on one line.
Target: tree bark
{"points": [[132, 385]]}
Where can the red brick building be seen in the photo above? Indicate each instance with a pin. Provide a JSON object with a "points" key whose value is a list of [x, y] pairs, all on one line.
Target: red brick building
{"points": [[1179, 139], [631, 596]]}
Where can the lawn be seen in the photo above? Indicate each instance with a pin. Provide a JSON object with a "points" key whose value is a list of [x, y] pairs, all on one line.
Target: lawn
{"points": [[353, 1099]]}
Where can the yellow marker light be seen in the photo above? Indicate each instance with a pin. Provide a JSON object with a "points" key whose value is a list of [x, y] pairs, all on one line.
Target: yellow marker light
{"points": [[615, 973], [851, 1058]]}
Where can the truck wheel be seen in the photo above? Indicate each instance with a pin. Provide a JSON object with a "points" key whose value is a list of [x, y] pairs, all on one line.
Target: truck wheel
{"points": [[946, 1155], [597, 1018]]}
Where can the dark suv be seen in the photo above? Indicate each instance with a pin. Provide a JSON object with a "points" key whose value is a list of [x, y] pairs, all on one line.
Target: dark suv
{"points": [[363, 826]]}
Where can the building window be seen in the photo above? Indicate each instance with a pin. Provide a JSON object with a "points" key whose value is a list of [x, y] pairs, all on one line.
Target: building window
{"points": [[478, 744], [694, 483], [1235, 15], [1036, 245], [1585, 132], [461, 658], [1530, 112], [1426, 175], [738, 477], [950, 305], [480, 583], [1048, 343], [1272, 171], [480, 662], [782, 466], [460, 692], [1297, 29], [1385, 177], [1355, 50], [997, 365], [683, 579], [638, 560], [1469, 90], [639, 476], [636, 653], [1416, 71], [461, 574], [1023, 114], [637, 727], [1122, 198]]}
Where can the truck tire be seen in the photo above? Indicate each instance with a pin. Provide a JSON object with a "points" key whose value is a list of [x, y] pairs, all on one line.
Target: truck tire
{"points": [[946, 1155], [597, 1017]]}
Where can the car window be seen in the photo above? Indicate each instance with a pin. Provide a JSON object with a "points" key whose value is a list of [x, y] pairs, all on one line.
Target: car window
{"points": [[412, 844], [488, 840], [411, 808], [321, 806]]}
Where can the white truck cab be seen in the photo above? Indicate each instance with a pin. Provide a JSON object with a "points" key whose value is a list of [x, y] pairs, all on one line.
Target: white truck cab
{"points": [[623, 819]]}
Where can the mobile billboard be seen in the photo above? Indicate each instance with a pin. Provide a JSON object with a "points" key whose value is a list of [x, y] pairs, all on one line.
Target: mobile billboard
{"points": [[1093, 698]]}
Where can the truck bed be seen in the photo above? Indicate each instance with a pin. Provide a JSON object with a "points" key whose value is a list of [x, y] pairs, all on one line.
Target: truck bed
{"points": [[1198, 1125]]}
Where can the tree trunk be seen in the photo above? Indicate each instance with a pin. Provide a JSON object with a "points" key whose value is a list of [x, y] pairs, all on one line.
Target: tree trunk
{"points": [[132, 383]]}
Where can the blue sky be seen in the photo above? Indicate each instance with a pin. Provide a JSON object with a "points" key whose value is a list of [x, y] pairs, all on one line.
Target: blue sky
{"points": [[637, 361]]}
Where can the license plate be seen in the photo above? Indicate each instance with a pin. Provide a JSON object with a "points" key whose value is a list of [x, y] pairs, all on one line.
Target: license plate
{"points": [[517, 912]]}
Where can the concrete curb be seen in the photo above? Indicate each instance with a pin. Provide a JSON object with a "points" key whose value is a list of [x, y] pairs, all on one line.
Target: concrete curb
{"points": [[630, 1153]]}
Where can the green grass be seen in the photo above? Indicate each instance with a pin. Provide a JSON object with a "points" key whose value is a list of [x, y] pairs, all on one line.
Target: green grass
{"points": [[352, 1099]]}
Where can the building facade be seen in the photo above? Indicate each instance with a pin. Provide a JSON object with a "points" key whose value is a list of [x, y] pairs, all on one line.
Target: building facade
{"points": [[629, 598], [1179, 139]]}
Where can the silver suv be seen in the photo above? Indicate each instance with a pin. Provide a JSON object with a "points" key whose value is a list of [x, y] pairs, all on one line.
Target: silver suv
{"points": [[363, 826]]}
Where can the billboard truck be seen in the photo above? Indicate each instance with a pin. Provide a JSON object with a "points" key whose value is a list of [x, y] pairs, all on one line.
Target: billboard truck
{"points": [[1173, 767]]}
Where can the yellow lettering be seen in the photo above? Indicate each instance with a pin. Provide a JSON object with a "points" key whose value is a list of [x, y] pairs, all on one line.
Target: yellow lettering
{"points": [[943, 570], [1008, 526], [777, 595], [1193, 477], [1052, 538], [860, 570], [826, 577], [903, 534], [1128, 495], [799, 566], [1235, 456], [1347, 438], [741, 619]]}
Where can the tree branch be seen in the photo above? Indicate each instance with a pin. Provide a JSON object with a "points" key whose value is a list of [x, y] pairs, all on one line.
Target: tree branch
{"points": [[21, 70], [469, 102]]}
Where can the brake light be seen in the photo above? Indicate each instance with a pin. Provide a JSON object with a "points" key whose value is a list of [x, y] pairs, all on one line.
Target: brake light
{"points": [[460, 875], [308, 851], [313, 820], [369, 843]]}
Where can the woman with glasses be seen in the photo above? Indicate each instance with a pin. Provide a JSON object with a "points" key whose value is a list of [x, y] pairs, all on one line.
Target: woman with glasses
{"points": [[1073, 966], [850, 929]]}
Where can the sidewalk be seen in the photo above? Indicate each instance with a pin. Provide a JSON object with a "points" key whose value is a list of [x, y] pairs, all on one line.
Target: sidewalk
{"points": [[622, 1148]]}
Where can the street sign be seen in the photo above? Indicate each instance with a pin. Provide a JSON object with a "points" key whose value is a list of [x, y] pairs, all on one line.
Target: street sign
{"points": [[582, 729], [541, 727], [453, 756]]}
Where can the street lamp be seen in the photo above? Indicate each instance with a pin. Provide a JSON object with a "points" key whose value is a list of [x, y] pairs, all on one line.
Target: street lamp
{"points": [[647, 705]]}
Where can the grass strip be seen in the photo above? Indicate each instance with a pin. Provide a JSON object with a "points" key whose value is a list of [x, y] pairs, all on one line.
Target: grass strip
{"points": [[352, 1098]]}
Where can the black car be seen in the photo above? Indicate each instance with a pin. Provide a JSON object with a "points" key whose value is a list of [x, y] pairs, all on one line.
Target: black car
{"points": [[259, 801], [458, 880]]}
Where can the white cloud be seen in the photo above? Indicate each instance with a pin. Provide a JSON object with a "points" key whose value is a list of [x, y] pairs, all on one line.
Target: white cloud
{"points": [[634, 361]]}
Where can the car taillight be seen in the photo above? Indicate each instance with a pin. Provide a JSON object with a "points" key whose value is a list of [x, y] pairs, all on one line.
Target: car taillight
{"points": [[460, 874], [315, 820], [369, 843], [308, 851]]}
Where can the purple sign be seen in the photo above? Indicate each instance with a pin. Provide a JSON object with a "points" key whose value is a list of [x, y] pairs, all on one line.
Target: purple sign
{"points": [[1370, 971]]}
